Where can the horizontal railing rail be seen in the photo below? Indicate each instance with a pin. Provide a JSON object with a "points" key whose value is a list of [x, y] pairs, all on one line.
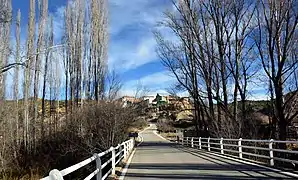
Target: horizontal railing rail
{"points": [[116, 154], [266, 149]]}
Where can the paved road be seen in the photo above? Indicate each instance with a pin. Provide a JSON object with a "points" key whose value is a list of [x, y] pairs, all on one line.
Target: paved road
{"points": [[156, 158]]}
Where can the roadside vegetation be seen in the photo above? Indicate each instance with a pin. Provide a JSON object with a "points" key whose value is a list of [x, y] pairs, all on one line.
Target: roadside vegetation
{"points": [[60, 105], [223, 52]]}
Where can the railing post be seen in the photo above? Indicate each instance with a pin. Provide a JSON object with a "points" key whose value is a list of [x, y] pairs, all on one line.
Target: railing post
{"points": [[240, 148], [121, 155], [271, 152], [55, 175], [200, 143], [98, 166], [129, 145], [113, 161], [221, 146], [209, 144], [187, 141], [125, 153], [192, 142]]}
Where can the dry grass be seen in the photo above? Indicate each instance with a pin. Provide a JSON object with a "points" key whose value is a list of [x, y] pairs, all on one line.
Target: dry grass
{"points": [[169, 136], [13, 176], [86, 131]]}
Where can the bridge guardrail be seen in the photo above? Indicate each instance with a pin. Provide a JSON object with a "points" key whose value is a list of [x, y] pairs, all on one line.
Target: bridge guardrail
{"points": [[123, 150], [242, 146]]}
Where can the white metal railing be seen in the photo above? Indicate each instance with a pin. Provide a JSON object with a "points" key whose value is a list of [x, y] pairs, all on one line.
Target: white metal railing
{"points": [[265, 149], [123, 150]]}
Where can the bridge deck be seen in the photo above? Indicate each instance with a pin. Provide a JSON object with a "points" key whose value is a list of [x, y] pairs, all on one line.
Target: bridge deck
{"points": [[156, 158]]}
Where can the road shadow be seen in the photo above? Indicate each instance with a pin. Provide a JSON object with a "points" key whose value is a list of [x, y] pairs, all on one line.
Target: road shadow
{"points": [[198, 171], [160, 144], [214, 171], [220, 160], [186, 166], [219, 168], [191, 176]]}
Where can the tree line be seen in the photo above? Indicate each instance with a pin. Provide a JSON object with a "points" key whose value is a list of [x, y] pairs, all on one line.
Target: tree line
{"points": [[50, 86], [220, 49]]}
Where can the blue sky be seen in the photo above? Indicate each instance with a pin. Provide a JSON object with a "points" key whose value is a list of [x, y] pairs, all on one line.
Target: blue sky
{"points": [[131, 42], [131, 45]]}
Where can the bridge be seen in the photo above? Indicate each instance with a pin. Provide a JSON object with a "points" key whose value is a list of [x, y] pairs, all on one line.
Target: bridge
{"points": [[191, 158]]}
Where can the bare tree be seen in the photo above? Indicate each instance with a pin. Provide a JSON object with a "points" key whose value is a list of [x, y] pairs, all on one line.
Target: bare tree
{"points": [[5, 22], [240, 56], [174, 90], [74, 37], [212, 55], [275, 39], [114, 85], [141, 90], [5, 12], [28, 74], [85, 55], [43, 14], [17, 72], [180, 59], [84, 48], [48, 56]]}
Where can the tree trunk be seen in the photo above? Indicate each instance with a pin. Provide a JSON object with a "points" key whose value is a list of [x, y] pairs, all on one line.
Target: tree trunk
{"points": [[18, 45], [282, 123]]}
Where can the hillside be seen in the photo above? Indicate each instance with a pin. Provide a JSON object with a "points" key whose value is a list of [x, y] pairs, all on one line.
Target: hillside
{"points": [[171, 119]]}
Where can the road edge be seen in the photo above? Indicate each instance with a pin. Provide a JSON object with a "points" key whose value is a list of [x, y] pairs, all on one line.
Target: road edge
{"points": [[155, 132], [125, 169], [241, 161]]}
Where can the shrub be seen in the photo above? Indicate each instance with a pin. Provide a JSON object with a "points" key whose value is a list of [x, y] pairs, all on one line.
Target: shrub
{"points": [[89, 129]]}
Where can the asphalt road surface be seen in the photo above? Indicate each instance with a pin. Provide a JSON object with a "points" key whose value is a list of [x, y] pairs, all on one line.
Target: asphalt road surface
{"points": [[157, 158]]}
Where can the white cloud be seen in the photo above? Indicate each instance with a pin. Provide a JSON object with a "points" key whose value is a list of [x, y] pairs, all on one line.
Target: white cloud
{"points": [[156, 83], [134, 12], [128, 56], [158, 79], [132, 43]]}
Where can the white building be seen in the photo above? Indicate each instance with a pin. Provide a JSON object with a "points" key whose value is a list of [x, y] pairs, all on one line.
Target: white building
{"points": [[149, 98]]}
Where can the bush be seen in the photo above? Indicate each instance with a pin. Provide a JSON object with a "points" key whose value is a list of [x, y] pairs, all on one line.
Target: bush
{"points": [[89, 129], [164, 126]]}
